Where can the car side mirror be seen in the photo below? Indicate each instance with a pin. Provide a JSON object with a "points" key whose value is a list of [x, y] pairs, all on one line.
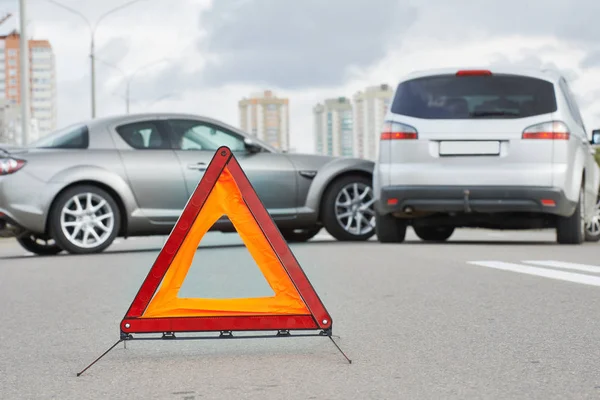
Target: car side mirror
{"points": [[252, 147], [596, 137]]}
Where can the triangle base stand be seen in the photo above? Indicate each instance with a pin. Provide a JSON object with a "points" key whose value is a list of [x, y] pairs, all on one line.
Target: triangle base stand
{"points": [[226, 190], [125, 337]]}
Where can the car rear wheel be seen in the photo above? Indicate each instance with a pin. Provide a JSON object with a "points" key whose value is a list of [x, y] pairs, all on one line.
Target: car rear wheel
{"points": [[85, 219], [348, 212], [390, 229], [39, 245], [571, 230], [300, 235], [592, 229], [433, 233]]}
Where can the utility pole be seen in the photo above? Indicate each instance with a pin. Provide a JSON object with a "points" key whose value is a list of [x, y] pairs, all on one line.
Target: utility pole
{"points": [[92, 28], [24, 55]]}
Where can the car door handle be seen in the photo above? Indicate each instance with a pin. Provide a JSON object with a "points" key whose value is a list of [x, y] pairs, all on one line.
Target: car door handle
{"points": [[199, 166]]}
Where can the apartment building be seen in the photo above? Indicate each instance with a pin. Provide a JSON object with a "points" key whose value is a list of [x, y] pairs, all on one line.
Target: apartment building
{"points": [[266, 117], [42, 81], [333, 127], [370, 107]]}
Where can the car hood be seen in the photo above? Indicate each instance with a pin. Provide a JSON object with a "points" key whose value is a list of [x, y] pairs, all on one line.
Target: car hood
{"points": [[316, 161]]}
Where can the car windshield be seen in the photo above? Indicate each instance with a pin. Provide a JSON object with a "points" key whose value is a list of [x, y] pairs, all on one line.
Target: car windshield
{"points": [[474, 97], [72, 137]]}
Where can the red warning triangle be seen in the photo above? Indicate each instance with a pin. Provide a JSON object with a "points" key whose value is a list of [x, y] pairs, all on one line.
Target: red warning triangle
{"points": [[226, 190]]}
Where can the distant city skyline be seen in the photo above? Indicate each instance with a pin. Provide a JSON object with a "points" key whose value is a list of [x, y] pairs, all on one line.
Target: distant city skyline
{"points": [[42, 88], [370, 107], [351, 128], [334, 127], [266, 117]]}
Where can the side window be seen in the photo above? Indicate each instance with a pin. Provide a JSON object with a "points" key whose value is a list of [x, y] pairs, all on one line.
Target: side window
{"points": [[197, 135], [144, 135], [71, 137], [572, 103]]}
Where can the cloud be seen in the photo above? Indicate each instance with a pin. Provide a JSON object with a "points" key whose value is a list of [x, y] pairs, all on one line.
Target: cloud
{"points": [[592, 60], [535, 61], [574, 20], [295, 44], [306, 50]]}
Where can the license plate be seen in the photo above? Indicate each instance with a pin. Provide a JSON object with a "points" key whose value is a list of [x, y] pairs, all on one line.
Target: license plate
{"points": [[469, 148]]}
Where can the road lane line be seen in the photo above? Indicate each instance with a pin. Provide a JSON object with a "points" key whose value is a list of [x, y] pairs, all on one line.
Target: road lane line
{"points": [[546, 273], [566, 265]]}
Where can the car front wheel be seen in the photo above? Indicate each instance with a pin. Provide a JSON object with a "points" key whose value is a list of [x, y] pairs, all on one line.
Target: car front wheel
{"points": [[592, 228], [85, 219], [348, 213]]}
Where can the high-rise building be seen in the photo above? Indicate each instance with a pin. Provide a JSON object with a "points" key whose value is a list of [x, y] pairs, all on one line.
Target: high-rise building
{"points": [[42, 80], [266, 117], [333, 127], [370, 107]]}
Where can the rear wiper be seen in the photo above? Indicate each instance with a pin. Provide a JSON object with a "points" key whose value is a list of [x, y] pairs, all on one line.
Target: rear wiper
{"points": [[494, 113], [6, 153]]}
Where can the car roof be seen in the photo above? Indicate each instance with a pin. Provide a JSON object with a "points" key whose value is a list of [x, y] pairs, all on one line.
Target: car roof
{"points": [[101, 122], [119, 118], [546, 74]]}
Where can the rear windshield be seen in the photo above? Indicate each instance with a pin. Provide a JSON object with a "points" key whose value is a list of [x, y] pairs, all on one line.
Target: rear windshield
{"points": [[71, 137], [469, 97]]}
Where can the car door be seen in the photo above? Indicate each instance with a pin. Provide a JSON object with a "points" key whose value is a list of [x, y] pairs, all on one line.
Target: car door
{"points": [[271, 174], [153, 169]]}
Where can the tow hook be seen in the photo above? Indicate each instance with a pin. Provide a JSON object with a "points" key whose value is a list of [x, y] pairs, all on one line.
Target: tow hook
{"points": [[466, 201]]}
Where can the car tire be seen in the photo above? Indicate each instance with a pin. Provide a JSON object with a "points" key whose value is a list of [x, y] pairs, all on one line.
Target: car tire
{"points": [[433, 233], [31, 243], [349, 189], [390, 229], [571, 230], [592, 229], [72, 224], [300, 235]]}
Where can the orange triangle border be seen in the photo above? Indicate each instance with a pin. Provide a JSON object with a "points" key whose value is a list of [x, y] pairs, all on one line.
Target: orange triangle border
{"points": [[319, 318]]}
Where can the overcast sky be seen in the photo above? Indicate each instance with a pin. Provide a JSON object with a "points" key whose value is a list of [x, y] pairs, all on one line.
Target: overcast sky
{"points": [[202, 56]]}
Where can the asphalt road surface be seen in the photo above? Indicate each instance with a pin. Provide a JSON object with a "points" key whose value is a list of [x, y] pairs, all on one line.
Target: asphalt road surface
{"points": [[488, 315]]}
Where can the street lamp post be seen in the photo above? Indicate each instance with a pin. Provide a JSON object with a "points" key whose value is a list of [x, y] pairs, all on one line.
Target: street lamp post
{"points": [[129, 77], [93, 28], [24, 60]]}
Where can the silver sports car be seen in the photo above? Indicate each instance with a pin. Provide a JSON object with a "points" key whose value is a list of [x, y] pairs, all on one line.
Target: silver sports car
{"points": [[81, 187]]}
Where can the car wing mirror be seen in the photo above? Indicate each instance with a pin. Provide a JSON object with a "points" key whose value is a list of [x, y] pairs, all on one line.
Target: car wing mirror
{"points": [[251, 146], [595, 137]]}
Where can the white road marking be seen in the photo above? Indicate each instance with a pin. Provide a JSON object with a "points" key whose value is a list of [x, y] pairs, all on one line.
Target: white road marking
{"points": [[546, 273], [496, 234], [566, 265]]}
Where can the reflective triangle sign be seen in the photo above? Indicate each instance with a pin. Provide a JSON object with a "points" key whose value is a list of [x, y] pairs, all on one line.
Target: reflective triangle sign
{"points": [[226, 191]]}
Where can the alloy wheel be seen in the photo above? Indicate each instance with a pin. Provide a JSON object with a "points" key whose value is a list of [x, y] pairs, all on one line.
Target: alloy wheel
{"points": [[582, 213], [87, 220], [593, 227], [354, 208]]}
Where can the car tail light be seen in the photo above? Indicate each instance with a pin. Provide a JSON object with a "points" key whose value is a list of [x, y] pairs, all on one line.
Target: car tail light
{"points": [[397, 131], [10, 165], [553, 130], [474, 72]]}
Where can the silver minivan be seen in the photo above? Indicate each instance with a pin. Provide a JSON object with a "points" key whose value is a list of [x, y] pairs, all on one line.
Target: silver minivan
{"points": [[501, 149]]}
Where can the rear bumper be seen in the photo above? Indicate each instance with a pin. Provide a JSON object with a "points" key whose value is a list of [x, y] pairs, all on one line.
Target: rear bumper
{"points": [[470, 200], [8, 227]]}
